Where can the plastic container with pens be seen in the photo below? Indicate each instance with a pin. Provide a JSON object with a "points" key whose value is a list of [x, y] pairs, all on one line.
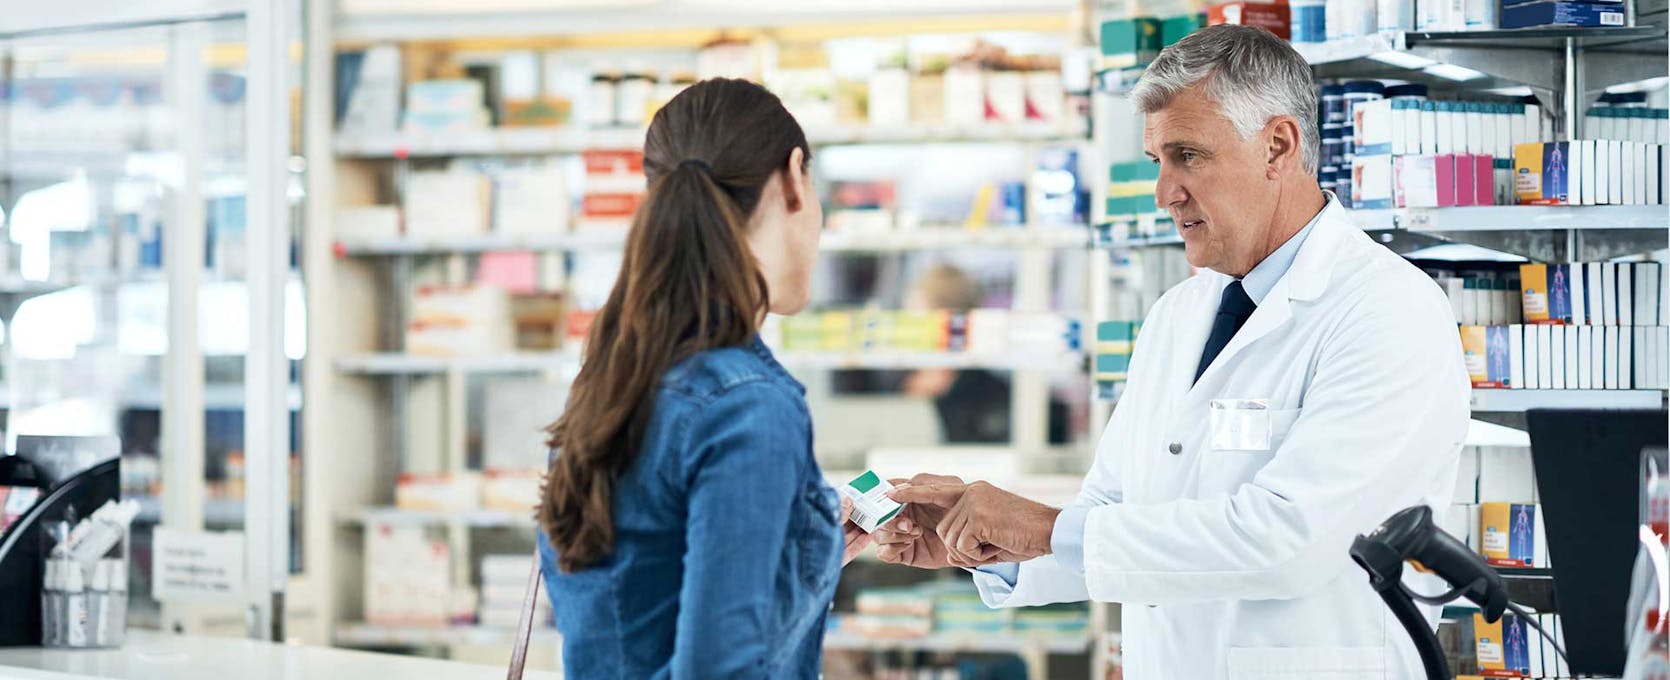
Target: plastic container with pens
{"points": [[84, 593]]}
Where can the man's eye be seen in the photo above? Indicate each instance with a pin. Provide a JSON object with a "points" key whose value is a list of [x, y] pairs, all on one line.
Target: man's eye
{"points": [[1190, 156]]}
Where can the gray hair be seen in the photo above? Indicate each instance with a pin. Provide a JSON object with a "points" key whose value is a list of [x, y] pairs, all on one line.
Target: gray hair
{"points": [[1252, 75]]}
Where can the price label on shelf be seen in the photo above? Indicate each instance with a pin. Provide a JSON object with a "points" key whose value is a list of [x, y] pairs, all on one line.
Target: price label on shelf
{"points": [[197, 565]]}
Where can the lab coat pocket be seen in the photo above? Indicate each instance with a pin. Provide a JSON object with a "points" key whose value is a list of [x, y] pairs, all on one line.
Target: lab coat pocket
{"points": [[1224, 470], [1306, 663]]}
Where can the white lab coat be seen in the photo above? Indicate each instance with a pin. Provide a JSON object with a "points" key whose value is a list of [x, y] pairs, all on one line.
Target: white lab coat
{"points": [[1234, 565]]}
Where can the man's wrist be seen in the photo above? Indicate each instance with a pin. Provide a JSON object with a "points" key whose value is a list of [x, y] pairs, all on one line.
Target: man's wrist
{"points": [[1044, 529]]}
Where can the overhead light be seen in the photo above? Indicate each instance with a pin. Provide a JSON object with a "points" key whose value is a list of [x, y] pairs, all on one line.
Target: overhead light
{"points": [[1647, 85], [1402, 59], [1453, 72], [1510, 91]]}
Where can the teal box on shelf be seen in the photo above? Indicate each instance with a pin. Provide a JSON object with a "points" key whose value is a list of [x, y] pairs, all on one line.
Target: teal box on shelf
{"points": [[1176, 28], [1535, 14], [1130, 42]]}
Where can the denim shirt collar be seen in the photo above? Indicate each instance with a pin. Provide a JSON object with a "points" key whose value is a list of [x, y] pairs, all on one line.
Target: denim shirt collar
{"points": [[758, 347]]}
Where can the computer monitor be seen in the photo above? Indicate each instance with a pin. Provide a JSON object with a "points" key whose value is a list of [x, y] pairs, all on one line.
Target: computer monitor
{"points": [[1588, 466]]}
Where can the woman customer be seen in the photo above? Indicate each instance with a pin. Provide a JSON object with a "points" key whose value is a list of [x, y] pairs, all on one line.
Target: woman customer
{"points": [[687, 530]]}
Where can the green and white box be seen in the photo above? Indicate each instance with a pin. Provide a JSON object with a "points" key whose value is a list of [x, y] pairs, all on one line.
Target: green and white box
{"points": [[870, 505]]}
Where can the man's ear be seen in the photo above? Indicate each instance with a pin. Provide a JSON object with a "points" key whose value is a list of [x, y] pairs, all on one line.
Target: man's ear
{"points": [[794, 178], [1283, 145]]}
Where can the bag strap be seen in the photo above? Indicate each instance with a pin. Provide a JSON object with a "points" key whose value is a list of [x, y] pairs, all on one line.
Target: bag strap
{"points": [[524, 626]]}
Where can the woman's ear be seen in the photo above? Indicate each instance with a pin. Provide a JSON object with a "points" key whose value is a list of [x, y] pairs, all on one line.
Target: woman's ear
{"points": [[794, 177]]}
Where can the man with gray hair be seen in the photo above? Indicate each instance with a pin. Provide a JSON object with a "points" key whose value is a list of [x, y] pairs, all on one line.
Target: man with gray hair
{"points": [[1302, 387]]}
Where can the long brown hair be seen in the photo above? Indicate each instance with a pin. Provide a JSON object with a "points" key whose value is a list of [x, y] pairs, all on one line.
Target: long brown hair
{"points": [[688, 283]]}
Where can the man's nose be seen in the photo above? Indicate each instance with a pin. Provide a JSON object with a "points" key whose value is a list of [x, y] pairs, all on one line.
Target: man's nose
{"points": [[1168, 191]]}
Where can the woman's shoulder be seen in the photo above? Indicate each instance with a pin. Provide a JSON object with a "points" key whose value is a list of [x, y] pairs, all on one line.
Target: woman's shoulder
{"points": [[743, 372]]}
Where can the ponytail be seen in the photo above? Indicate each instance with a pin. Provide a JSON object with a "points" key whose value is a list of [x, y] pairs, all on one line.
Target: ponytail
{"points": [[688, 283]]}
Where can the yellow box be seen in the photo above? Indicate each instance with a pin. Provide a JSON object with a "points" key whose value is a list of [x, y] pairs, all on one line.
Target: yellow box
{"points": [[1533, 291], [1508, 534], [1475, 350]]}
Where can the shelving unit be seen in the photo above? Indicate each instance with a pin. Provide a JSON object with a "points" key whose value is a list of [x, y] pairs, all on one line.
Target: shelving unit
{"points": [[986, 643], [354, 634], [480, 519], [936, 237], [1520, 401]]}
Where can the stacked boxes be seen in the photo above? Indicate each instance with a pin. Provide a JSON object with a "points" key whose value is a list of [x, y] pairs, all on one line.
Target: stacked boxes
{"points": [[1590, 172], [1412, 152], [1114, 341], [1131, 188], [1595, 325], [1512, 648], [1130, 43]]}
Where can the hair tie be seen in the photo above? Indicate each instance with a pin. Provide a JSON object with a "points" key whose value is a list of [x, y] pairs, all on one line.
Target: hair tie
{"points": [[699, 163]]}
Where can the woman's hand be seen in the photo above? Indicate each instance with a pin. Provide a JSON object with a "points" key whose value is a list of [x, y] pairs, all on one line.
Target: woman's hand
{"points": [[856, 539]]}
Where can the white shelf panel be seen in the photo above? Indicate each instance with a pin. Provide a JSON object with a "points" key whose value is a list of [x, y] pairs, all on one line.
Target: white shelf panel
{"points": [[554, 141], [1348, 49], [217, 512], [408, 364], [1528, 217], [1060, 237], [415, 245], [532, 141], [486, 519], [368, 635], [948, 134], [1514, 401], [948, 238], [996, 642], [925, 360]]}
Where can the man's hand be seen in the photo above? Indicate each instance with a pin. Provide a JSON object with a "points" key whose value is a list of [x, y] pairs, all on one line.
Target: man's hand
{"points": [[909, 537], [854, 538], [984, 524]]}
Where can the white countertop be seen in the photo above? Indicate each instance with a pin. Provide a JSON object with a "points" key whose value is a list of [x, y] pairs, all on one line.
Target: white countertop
{"points": [[149, 655]]}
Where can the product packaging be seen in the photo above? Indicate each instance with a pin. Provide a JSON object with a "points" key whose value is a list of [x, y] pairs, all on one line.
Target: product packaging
{"points": [[870, 505]]}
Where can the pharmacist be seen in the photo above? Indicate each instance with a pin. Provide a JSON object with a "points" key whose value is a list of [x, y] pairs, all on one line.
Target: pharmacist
{"points": [[1305, 385]]}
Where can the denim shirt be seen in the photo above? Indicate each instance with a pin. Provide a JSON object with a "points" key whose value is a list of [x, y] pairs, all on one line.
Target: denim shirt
{"points": [[727, 548]]}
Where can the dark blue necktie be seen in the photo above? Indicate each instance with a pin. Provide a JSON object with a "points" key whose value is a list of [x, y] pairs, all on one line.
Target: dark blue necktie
{"points": [[1233, 311]]}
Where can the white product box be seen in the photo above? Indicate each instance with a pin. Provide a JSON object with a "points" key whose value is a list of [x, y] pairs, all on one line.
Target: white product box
{"points": [[1545, 357], [1630, 178], [1520, 124], [406, 576], [1429, 128], [1458, 127], [1603, 173], [1445, 121], [464, 320], [1626, 357], [1476, 143], [1416, 181], [1557, 356], [1516, 356], [1639, 174], [1585, 357], [1610, 371], [447, 203], [1609, 293], [1571, 358], [965, 95], [1045, 96], [1626, 293], [1006, 93], [1506, 475], [889, 100], [1371, 181], [1372, 127], [532, 201], [1577, 163], [368, 222], [1615, 184]]}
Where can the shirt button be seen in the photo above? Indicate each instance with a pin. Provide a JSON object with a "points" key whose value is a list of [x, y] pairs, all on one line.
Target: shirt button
{"points": [[1176, 448]]}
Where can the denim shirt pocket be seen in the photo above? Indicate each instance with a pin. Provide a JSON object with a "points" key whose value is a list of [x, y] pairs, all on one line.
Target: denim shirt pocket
{"points": [[817, 536]]}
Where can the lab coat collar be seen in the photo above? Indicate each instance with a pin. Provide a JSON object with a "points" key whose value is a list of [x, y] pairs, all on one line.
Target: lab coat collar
{"points": [[1306, 280]]}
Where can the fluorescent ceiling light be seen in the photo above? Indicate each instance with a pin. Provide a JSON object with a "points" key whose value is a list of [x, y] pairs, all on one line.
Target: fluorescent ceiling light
{"points": [[1647, 85], [1402, 60], [1453, 72], [1510, 91]]}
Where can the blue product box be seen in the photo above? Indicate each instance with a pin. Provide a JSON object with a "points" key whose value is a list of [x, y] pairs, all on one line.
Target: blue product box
{"points": [[1557, 13]]}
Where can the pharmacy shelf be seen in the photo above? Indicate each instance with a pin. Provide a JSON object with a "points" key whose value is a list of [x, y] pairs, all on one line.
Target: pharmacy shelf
{"points": [[484, 519], [1059, 237], [1062, 237], [368, 635], [546, 141], [1517, 401], [611, 239], [1532, 217], [1067, 361], [1501, 58], [217, 512], [394, 363], [984, 133], [1524, 572], [984, 643], [505, 141]]}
